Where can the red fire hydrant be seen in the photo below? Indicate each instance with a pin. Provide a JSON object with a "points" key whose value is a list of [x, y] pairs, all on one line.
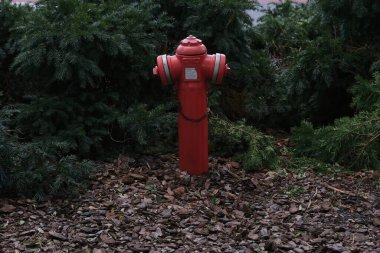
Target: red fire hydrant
{"points": [[190, 71]]}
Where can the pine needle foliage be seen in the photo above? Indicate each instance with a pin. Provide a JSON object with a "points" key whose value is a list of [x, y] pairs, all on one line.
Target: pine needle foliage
{"points": [[285, 29], [355, 21], [6, 155], [318, 50], [69, 45], [150, 130], [39, 169], [366, 93], [83, 64], [245, 143], [351, 142], [9, 15], [77, 120]]}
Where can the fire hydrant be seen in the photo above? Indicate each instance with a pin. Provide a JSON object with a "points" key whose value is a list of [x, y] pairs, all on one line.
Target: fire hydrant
{"points": [[190, 71]]}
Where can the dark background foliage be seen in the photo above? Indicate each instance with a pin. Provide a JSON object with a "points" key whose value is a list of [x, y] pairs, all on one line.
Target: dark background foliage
{"points": [[76, 84]]}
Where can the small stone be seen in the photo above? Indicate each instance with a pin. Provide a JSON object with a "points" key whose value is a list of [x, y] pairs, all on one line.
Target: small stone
{"points": [[166, 213], [157, 233], [264, 233], [116, 222]]}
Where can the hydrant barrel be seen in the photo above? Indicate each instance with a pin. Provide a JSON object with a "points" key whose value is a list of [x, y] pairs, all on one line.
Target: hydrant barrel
{"points": [[190, 71]]}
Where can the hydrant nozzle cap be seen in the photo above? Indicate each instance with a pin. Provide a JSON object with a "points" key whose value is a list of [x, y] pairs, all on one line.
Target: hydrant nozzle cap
{"points": [[191, 46], [191, 41]]}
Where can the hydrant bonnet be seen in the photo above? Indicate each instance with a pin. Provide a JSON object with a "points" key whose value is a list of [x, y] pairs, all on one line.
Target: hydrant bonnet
{"points": [[191, 46]]}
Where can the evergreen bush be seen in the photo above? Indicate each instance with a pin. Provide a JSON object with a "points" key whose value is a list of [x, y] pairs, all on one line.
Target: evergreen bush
{"points": [[9, 15], [242, 142], [351, 142], [84, 64], [150, 130], [40, 169], [318, 49]]}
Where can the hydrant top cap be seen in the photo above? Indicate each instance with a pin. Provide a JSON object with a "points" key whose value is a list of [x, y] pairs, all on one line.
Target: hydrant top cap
{"points": [[191, 46]]}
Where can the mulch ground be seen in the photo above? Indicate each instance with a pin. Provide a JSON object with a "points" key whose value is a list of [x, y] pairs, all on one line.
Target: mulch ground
{"points": [[148, 205]]}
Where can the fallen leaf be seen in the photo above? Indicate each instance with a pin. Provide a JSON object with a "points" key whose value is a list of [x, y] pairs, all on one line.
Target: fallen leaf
{"points": [[293, 209], [99, 250], [238, 214], [107, 239], [207, 184], [234, 164], [136, 176], [57, 235], [180, 190], [253, 236], [376, 221], [202, 231], [7, 209]]}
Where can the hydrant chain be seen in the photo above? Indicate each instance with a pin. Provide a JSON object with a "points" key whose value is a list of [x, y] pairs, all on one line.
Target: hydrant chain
{"points": [[197, 120]]}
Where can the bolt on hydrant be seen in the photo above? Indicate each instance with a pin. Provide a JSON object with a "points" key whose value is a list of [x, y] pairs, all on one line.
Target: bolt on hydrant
{"points": [[190, 70]]}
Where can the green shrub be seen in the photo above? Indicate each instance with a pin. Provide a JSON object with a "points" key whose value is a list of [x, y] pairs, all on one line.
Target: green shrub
{"points": [[318, 50], [83, 65], [352, 142], [366, 93], [153, 130], [246, 144], [9, 15], [83, 121], [87, 45], [90, 126], [40, 169], [6, 155]]}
